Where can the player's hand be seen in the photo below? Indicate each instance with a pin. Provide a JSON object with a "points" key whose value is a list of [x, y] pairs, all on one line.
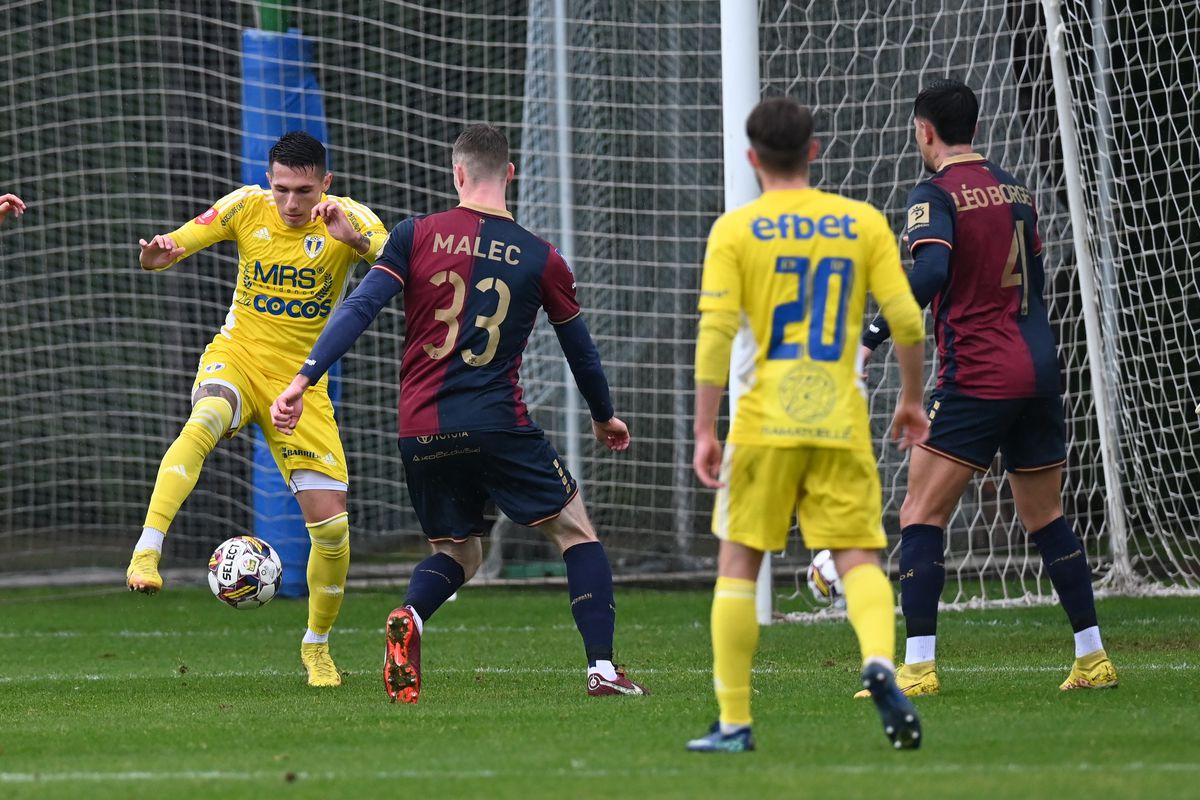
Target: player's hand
{"points": [[865, 354], [287, 408], [910, 425], [336, 222], [614, 434], [706, 461], [159, 252], [11, 204]]}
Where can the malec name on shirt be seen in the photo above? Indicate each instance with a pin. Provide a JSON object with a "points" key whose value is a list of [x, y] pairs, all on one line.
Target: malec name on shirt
{"points": [[496, 250]]}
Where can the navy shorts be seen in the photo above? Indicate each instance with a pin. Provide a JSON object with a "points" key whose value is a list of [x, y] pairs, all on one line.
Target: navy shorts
{"points": [[1030, 433], [451, 476]]}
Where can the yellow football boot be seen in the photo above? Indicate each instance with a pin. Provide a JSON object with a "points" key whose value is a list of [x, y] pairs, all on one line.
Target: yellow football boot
{"points": [[142, 575], [320, 667], [913, 680], [1093, 671]]}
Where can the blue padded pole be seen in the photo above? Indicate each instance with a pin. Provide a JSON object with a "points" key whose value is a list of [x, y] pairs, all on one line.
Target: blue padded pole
{"points": [[279, 94]]}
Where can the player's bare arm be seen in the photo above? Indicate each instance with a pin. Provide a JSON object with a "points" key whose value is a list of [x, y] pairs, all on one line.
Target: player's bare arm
{"points": [[910, 425], [339, 227], [159, 253], [11, 204], [706, 461]]}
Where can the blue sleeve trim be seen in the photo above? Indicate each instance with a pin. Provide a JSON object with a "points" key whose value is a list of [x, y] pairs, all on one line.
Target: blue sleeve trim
{"points": [[352, 317], [581, 353]]}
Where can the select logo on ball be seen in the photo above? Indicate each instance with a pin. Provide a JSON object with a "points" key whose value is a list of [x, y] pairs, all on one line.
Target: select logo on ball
{"points": [[244, 572]]}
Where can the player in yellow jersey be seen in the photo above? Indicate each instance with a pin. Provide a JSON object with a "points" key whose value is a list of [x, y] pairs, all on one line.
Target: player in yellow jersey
{"points": [[297, 247], [788, 275]]}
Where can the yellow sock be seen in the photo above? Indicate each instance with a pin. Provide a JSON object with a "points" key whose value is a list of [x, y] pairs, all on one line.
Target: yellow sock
{"points": [[181, 465], [871, 607], [734, 638], [328, 563]]}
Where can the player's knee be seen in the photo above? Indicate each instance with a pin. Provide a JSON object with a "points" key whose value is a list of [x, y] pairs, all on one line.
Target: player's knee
{"points": [[570, 527], [918, 509], [1036, 519], [468, 554], [208, 422], [217, 391]]}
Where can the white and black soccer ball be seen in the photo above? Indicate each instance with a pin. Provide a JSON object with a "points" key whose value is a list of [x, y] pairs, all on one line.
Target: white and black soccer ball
{"points": [[244, 572], [824, 581]]}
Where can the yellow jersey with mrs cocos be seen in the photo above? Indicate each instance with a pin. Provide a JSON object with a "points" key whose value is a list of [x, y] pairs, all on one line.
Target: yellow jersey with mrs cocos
{"points": [[289, 279], [796, 265]]}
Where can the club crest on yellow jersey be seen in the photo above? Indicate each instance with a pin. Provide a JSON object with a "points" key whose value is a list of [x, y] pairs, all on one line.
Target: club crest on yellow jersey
{"points": [[313, 245]]}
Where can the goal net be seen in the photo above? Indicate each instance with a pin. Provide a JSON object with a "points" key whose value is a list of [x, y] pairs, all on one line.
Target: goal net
{"points": [[122, 123]]}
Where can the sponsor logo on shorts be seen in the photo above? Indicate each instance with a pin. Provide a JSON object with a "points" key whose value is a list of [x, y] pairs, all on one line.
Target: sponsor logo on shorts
{"points": [[458, 451], [289, 452], [807, 393], [214, 368], [443, 437], [207, 217]]}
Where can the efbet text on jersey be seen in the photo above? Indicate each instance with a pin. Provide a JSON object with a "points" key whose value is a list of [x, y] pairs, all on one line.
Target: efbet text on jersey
{"points": [[795, 226]]}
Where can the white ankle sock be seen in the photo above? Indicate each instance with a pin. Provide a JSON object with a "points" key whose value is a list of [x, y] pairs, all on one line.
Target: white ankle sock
{"points": [[604, 669], [151, 539], [920, 648], [417, 618], [1088, 641], [727, 728], [315, 638]]}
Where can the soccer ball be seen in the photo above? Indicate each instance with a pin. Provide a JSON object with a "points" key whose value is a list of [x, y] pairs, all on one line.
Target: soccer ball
{"points": [[244, 572], [823, 580]]}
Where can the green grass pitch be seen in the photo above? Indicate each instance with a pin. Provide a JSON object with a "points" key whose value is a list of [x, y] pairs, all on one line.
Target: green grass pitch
{"points": [[119, 695]]}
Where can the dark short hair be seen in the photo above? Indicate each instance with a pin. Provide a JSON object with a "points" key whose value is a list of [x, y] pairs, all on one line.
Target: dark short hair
{"points": [[779, 130], [951, 108], [298, 150], [483, 150]]}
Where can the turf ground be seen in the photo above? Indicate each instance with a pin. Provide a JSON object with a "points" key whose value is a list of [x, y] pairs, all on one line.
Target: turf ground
{"points": [[119, 695]]}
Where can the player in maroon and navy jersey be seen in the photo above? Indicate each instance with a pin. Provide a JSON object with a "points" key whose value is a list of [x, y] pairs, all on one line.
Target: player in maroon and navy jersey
{"points": [[977, 257], [474, 282]]}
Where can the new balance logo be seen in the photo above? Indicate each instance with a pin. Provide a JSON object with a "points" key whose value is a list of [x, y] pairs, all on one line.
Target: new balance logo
{"points": [[263, 233]]}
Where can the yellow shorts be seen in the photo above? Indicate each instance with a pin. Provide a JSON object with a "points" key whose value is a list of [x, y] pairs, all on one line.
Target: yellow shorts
{"points": [[834, 494], [314, 445]]}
